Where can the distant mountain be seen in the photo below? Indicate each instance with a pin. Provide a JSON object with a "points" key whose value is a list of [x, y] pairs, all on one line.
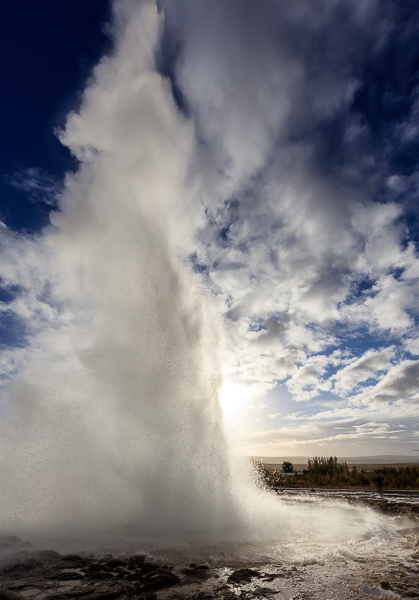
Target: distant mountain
{"points": [[382, 459]]}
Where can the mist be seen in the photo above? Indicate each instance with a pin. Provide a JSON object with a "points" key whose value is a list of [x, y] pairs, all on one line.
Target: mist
{"points": [[111, 420]]}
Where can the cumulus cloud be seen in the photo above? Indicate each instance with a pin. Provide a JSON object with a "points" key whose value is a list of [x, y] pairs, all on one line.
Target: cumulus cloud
{"points": [[296, 234], [299, 190], [400, 384], [359, 370], [27, 306], [334, 437], [302, 218]]}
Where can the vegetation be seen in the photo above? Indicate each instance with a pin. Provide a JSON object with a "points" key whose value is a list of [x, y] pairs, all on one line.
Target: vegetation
{"points": [[329, 472], [287, 467]]}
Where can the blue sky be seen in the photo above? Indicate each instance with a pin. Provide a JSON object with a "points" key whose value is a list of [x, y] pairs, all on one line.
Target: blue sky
{"points": [[48, 51], [302, 179]]}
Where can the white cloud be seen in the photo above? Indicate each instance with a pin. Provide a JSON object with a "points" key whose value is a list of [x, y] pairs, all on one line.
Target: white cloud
{"points": [[335, 438], [295, 213], [400, 384], [309, 380], [295, 240], [412, 346], [39, 185], [370, 364]]}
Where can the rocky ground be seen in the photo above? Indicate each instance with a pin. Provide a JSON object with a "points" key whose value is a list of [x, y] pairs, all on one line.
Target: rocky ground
{"points": [[393, 502], [26, 574]]}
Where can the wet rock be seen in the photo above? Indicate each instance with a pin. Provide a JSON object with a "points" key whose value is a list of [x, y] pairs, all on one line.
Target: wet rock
{"points": [[387, 505], [74, 560], [75, 577], [104, 594], [157, 581], [385, 585], [66, 575], [115, 562], [197, 572], [136, 561], [120, 577], [243, 576], [19, 563], [229, 595], [264, 591], [402, 581], [268, 577], [9, 595], [133, 576]]}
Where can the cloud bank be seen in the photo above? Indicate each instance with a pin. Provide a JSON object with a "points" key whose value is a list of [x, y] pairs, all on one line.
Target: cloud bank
{"points": [[306, 216], [296, 132]]}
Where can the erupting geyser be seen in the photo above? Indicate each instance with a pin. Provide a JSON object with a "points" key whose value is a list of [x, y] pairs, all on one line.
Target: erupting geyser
{"points": [[112, 420]]}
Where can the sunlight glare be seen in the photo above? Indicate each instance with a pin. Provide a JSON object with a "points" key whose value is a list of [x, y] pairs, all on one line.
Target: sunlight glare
{"points": [[233, 397]]}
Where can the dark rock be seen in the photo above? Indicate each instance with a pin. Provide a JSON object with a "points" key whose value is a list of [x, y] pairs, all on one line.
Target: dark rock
{"points": [[103, 595], [243, 576], [157, 581], [197, 572], [20, 563], [58, 575], [9, 595], [47, 555], [387, 505], [271, 576], [75, 561], [136, 576], [136, 561], [385, 585], [105, 591], [114, 562], [264, 591]]}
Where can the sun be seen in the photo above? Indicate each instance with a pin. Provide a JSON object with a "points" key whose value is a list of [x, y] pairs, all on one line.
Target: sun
{"points": [[233, 397]]}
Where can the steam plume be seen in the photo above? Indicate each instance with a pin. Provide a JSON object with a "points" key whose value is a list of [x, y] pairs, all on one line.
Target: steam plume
{"points": [[113, 419]]}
